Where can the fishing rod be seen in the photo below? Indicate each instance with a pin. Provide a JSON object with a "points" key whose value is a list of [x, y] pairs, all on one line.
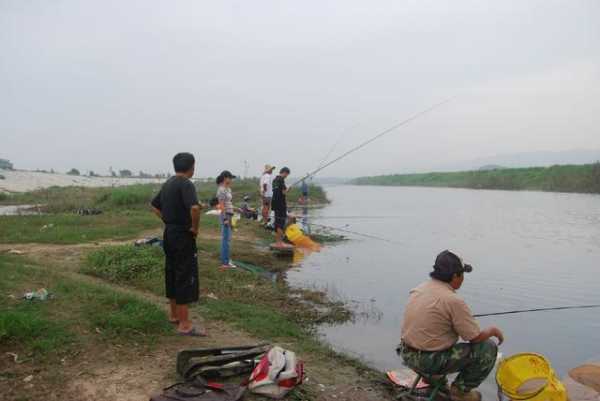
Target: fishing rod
{"points": [[353, 232], [379, 135], [335, 145], [538, 310]]}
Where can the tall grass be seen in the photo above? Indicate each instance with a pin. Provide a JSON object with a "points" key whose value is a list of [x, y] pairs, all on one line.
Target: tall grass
{"points": [[567, 178]]}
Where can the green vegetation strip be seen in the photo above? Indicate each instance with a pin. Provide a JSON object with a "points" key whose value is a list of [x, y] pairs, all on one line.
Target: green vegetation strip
{"points": [[243, 298], [77, 312], [69, 199], [568, 178], [72, 229]]}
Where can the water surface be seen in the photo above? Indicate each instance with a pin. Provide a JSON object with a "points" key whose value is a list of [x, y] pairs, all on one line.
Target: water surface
{"points": [[529, 249]]}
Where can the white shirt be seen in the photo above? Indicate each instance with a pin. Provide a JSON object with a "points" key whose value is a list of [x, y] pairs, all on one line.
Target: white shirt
{"points": [[267, 180]]}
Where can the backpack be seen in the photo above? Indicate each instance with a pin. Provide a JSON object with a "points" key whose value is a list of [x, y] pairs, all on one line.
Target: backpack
{"points": [[277, 373]]}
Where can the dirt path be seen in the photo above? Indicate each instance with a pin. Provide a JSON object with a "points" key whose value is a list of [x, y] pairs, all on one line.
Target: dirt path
{"points": [[111, 373]]}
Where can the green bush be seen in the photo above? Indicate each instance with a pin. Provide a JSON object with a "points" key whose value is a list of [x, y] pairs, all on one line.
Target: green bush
{"points": [[125, 263]]}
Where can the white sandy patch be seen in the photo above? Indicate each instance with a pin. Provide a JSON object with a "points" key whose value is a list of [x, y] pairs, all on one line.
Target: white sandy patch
{"points": [[23, 181]]}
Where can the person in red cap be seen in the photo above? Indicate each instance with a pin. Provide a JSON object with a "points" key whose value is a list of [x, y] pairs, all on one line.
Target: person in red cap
{"points": [[434, 320]]}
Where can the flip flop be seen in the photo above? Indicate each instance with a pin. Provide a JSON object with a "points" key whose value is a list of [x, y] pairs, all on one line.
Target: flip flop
{"points": [[173, 321], [192, 333]]}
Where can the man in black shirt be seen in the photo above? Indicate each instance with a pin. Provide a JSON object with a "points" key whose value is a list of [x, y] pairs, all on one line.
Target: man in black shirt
{"points": [[279, 205], [177, 206]]}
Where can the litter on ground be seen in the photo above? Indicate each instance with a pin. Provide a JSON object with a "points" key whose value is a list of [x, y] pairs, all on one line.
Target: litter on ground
{"points": [[40, 295]]}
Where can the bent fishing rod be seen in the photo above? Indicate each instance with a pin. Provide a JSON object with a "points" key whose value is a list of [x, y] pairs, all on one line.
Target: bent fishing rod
{"points": [[365, 143], [537, 310]]}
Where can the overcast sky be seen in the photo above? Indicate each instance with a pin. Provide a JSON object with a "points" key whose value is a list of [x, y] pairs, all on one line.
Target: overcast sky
{"points": [[129, 83]]}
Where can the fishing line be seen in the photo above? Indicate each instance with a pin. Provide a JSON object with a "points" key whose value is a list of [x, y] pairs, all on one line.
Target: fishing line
{"points": [[355, 217], [353, 232], [538, 310], [379, 135]]}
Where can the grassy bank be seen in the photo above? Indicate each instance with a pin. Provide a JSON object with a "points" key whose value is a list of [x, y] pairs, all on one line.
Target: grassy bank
{"points": [[41, 340], [69, 199], [124, 211], [568, 178], [107, 320]]}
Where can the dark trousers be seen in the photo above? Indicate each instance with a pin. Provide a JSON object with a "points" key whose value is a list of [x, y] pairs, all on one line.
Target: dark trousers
{"points": [[181, 265]]}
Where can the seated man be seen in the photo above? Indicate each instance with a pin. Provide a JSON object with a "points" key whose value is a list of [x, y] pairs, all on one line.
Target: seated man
{"points": [[434, 319], [246, 211]]}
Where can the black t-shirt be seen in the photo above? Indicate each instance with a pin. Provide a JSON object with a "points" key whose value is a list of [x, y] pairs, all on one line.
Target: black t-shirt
{"points": [[279, 202], [174, 200]]}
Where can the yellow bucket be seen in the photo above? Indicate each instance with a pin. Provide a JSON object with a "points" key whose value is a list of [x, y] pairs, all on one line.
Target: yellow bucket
{"points": [[296, 236], [529, 376]]}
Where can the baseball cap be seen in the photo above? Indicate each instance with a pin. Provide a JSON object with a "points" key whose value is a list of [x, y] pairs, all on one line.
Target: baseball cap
{"points": [[227, 174], [449, 262], [268, 167]]}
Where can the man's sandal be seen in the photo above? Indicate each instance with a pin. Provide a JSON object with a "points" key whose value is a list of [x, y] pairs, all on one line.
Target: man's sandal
{"points": [[193, 333]]}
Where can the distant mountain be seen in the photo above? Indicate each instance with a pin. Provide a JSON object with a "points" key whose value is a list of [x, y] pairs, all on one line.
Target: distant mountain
{"points": [[525, 159]]}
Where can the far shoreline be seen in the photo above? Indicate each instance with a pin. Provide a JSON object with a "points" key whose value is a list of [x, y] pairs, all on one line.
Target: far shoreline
{"points": [[584, 179]]}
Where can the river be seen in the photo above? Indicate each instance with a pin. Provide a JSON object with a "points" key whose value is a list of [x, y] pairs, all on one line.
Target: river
{"points": [[528, 249]]}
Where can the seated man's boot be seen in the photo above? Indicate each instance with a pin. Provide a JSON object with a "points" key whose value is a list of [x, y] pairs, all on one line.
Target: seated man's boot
{"points": [[458, 395]]}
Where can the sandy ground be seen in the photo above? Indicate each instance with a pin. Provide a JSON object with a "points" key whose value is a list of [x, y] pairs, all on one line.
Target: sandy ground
{"points": [[22, 181]]}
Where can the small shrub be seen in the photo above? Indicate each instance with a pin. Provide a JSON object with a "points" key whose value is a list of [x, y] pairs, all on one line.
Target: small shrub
{"points": [[125, 263], [73, 171], [6, 164]]}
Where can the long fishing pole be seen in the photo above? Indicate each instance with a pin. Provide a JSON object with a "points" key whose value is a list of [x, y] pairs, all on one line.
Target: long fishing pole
{"points": [[379, 135], [353, 232], [538, 310], [335, 145]]}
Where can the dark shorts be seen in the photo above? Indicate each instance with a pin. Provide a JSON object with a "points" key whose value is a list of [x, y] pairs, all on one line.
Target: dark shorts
{"points": [[181, 266], [280, 218], [266, 201]]}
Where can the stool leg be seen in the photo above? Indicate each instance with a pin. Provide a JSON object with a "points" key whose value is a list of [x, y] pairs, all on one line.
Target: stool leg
{"points": [[415, 383], [434, 393]]}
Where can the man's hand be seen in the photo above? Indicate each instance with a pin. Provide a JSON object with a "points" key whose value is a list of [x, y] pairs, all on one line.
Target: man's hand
{"points": [[496, 332], [156, 211], [491, 331], [194, 231]]}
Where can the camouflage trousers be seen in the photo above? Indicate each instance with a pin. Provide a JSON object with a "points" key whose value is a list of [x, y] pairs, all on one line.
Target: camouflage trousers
{"points": [[472, 362]]}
